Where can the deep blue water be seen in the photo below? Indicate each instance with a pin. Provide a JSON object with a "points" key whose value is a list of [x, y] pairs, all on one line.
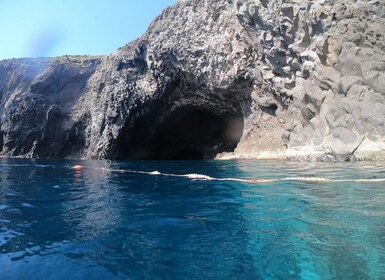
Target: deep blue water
{"points": [[58, 223]]}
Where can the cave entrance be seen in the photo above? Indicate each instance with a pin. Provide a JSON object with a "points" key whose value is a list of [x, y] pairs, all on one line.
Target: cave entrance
{"points": [[195, 134]]}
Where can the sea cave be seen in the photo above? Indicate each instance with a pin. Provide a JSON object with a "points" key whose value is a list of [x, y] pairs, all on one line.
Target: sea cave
{"points": [[186, 133]]}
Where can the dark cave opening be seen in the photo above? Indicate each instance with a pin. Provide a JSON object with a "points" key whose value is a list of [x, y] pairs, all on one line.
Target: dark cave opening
{"points": [[187, 133], [196, 134]]}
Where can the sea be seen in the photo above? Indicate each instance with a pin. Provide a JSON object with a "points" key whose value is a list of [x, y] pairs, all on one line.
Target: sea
{"points": [[72, 219]]}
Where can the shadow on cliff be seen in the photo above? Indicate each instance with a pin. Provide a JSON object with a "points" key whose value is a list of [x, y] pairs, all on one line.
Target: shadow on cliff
{"points": [[188, 121]]}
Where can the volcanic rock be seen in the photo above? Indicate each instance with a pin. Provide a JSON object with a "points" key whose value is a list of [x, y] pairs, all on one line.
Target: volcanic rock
{"points": [[261, 79]]}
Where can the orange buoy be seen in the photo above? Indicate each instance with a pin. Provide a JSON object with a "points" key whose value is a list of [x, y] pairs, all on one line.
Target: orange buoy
{"points": [[77, 167]]}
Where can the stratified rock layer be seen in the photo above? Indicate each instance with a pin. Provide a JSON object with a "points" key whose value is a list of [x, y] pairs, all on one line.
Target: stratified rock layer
{"points": [[215, 78]]}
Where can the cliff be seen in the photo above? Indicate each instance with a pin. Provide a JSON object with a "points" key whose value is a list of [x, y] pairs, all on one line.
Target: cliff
{"points": [[212, 78], [37, 97]]}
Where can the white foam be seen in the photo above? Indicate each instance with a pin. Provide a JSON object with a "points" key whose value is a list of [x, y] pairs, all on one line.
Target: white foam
{"points": [[198, 176], [370, 180], [56, 187], [307, 179]]}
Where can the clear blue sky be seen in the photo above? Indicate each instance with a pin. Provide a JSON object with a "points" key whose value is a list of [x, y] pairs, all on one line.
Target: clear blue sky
{"points": [[32, 28]]}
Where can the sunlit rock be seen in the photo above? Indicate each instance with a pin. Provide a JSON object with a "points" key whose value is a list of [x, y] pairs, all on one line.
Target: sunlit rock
{"points": [[226, 79]]}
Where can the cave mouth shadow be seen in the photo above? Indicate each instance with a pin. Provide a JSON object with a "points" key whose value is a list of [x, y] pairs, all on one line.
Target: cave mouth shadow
{"points": [[195, 134], [186, 133]]}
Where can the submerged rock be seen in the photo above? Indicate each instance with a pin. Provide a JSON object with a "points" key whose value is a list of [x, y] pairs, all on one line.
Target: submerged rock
{"points": [[225, 79]]}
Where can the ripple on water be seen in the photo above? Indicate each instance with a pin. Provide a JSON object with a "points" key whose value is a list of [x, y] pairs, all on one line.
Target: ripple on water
{"points": [[27, 205], [3, 206], [120, 225], [13, 194], [6, 235]]}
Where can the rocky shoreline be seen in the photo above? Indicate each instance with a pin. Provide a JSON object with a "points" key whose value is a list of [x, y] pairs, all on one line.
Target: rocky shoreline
{"points": [[245, 79]]}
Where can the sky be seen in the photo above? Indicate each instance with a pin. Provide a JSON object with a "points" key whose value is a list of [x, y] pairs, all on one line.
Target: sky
{"points": [[43, 28]]}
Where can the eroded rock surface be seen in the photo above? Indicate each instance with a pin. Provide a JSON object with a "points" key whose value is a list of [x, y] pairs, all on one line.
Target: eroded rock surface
{"points": [[37, 97], [212, 78]]}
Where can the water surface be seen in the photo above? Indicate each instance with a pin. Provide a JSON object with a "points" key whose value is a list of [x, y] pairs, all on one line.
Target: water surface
{"points": [[60, 223]]}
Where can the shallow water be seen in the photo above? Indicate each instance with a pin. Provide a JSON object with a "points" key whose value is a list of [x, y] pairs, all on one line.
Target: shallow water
{"points": [[60, 223]]}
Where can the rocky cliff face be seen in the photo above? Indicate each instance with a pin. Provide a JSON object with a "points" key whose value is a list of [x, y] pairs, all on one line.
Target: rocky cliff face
{"points": [[37, 97], [212, 78]]}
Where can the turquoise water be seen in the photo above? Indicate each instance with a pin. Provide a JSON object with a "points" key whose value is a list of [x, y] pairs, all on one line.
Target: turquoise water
{"points": [[60, 223]]}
